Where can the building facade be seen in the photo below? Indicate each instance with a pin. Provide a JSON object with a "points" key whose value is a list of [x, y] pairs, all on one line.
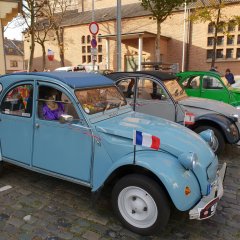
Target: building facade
{"points": [[8, 10], [138, 30], [14, 55]]}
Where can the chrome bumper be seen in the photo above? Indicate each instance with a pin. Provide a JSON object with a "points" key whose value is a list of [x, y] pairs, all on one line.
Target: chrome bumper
{"points": [[206, 208]]}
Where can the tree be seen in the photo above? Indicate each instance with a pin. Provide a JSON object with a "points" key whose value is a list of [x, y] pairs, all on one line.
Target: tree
{"points": [[160, 10], [30, 13], [56, 11], [212, 11]]}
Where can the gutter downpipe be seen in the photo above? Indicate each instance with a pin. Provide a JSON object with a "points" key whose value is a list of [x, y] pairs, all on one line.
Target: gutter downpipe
{"points": [[184, 37]]}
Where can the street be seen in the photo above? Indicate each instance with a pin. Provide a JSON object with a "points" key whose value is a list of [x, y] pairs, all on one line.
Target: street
{"points": [[38, 207]]}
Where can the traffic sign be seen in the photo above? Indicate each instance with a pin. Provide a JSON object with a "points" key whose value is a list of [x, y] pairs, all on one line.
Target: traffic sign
{"points": [[94, 51], [94, 43], [93, 28]]}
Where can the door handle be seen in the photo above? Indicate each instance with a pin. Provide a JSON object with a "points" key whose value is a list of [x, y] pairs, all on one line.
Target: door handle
{"points": [[37, 125]]}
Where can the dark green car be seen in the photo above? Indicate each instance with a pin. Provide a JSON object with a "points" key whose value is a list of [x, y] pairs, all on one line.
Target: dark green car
{"points": [[209, 85]]}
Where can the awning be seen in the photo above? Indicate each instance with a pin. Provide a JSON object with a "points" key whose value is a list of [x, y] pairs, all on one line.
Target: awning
{"points": [[131, 35]]}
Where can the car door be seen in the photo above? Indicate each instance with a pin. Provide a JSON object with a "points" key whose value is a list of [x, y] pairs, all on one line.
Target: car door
{"points": [[152, 98], [192, 86], [213, 88], [16, 123], [64, 149]]}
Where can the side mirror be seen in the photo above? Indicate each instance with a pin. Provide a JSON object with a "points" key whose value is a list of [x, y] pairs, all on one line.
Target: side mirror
{"points": [[65, 118]]}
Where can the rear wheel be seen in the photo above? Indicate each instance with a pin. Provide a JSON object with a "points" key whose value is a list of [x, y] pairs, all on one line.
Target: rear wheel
{"points": [[141, 204], [219, 138]]}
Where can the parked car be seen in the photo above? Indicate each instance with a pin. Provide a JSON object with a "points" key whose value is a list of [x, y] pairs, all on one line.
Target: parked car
{"points": [[159, 94], [92, 145], [63, 69], [209, 85]]}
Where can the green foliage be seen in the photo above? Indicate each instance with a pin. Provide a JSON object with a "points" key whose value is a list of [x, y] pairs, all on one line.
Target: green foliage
{"points": [[161, 9], [209, 12]]}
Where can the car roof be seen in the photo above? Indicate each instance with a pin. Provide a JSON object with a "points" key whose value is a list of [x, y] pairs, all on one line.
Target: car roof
{"points": [[160, 75], [72, 79], [199, 72]]}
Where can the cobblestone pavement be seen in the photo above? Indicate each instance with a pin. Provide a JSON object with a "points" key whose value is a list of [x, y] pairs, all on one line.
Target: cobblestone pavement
{"points": [[39, 207]]}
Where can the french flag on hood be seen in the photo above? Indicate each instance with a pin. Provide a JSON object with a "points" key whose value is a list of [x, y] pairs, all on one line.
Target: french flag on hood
{"points": [[146, 140]]}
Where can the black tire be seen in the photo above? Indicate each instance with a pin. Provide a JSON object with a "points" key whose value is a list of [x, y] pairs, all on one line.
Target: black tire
{"points": [[153, 201], [1, 167], [217, 133]]}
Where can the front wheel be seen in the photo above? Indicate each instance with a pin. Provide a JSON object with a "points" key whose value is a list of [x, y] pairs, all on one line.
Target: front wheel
{"points": [[141, 204], [219, 138]]}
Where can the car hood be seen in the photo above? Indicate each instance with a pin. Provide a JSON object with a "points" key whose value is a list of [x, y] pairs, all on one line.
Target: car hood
{"points": [[209, 105], [174, 138]]}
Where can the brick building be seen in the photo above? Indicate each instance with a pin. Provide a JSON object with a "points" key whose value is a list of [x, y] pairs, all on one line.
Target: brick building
{"points": [[138, 38]]}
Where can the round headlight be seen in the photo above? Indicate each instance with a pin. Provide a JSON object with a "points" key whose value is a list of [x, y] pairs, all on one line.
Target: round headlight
{"points": [[188, 160]]}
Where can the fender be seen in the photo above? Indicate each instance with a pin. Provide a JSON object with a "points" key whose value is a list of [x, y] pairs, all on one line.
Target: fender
{"points": [[221, 121], [168, 170]]}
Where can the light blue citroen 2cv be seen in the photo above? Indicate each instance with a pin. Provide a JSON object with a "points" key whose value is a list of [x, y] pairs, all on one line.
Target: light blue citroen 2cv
{"points": [[79, 127]]}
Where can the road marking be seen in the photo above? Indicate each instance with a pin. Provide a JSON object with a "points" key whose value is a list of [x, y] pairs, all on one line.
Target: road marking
{"points": [[5, 188]]}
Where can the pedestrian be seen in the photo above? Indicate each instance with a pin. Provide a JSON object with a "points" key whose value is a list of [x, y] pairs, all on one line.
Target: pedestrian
{"points": [[229, 76]]}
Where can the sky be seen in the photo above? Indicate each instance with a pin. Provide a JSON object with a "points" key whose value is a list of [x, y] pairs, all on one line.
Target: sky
{"points": [[13, 32]]}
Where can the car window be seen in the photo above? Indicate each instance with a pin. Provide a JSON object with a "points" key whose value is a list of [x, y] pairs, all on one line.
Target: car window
{"points": [[18, 101], [126, 86], [192, 82], [95, 100], [52, 103], [148, 90], [176, 91], [211, 83]]}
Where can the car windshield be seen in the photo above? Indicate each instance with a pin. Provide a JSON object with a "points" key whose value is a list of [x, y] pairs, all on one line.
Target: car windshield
{"points": [[225, 82], [97, 100], [177, 92]]}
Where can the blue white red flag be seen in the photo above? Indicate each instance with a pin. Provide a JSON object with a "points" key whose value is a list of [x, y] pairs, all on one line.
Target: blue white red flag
{"points": [[50, 52], [146, 140]]}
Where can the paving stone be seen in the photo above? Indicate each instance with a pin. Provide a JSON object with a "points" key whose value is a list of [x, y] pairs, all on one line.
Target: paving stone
{"points": [[15, 222], [91, 235], [98, 219]]}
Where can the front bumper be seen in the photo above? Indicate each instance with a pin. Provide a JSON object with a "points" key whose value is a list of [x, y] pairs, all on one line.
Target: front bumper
{"points": [[206, 208]]}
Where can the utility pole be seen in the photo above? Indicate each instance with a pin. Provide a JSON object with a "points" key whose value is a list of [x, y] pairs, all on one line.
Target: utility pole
{"points": [[93, 19], [119, 33]]}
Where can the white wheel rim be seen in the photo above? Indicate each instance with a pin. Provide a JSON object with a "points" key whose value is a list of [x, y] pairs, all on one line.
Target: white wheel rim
{"points": [[137, 207]]}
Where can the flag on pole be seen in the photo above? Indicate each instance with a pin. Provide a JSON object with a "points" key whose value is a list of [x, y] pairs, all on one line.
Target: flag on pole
{"points": [[189, 118], [146, 140]]}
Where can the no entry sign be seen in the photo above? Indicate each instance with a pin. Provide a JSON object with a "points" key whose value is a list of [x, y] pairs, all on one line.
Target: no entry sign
{"points": [[93, 28]]}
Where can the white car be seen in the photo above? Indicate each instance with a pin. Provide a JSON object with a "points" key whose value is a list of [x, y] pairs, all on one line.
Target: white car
{"points": [[64, 69]]}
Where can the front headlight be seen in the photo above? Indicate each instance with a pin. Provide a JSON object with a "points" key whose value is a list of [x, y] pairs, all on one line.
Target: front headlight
{"points": [[208, 136], [188, 160], [234, 130]]}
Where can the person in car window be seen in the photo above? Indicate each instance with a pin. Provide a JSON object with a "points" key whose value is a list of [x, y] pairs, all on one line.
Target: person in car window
{"points": [[52, 110]]}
